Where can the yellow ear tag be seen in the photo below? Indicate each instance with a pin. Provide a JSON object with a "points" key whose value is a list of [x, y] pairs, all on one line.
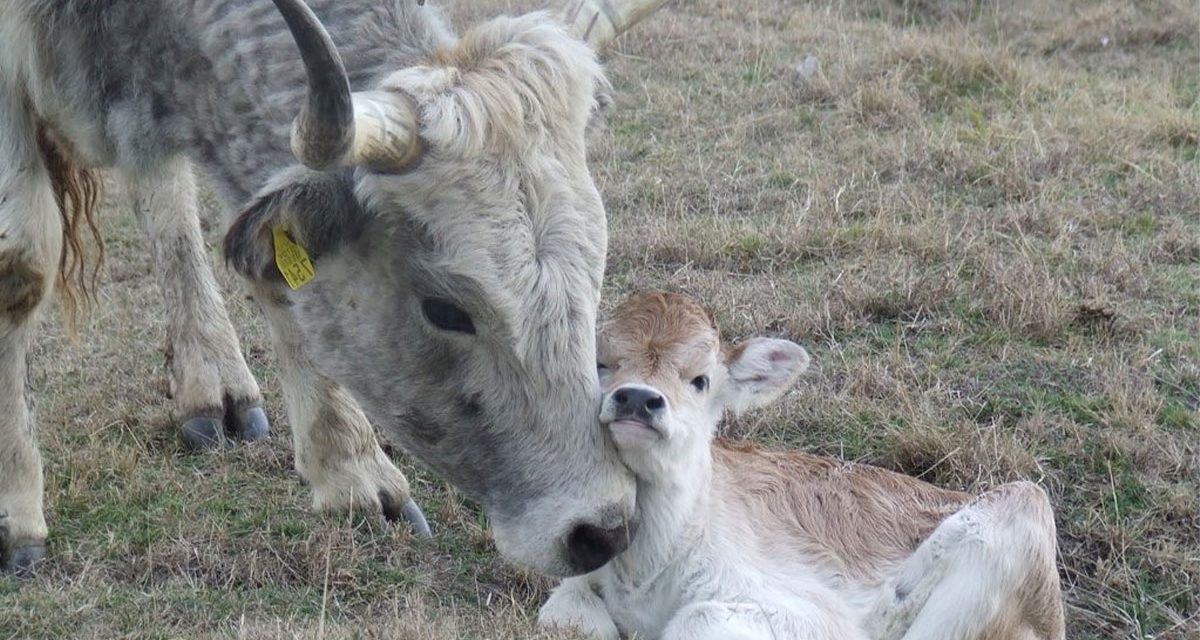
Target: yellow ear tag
{"points": [[292, 260]]}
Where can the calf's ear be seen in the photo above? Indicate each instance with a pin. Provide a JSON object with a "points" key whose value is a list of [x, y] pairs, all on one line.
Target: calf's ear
{"points": [[317, 210], [761, 370]]}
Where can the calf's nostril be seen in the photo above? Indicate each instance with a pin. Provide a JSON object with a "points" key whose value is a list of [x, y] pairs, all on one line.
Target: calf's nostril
{"points": [[642, 402]]}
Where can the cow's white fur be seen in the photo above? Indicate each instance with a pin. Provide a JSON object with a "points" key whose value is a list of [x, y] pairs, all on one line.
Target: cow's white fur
{"points": [[520, 222], [712, 561], [205, 362], [336, 449], [29, 249]]}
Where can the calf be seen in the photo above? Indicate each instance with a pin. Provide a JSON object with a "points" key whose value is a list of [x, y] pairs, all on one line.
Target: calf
{"points": [[740, 543]]}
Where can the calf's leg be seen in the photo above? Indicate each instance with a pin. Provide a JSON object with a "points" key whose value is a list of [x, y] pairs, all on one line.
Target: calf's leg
{"points": [[711, 620], [30, 241], [987, 572], [574, 605], [214, 389]]}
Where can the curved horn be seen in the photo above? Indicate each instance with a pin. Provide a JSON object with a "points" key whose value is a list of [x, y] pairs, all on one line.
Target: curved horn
{"points": [[386, 139], [376, 129], [599, 22], [324, 131]]}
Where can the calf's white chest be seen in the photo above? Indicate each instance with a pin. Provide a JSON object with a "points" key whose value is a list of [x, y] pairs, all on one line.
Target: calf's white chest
{"points": [[641, 609]]}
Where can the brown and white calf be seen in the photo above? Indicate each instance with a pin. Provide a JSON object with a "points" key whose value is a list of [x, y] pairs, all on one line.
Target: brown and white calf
{"points": [[741, 543]]}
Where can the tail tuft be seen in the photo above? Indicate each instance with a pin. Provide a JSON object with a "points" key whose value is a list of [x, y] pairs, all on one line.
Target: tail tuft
{"points": [[77, 191]]}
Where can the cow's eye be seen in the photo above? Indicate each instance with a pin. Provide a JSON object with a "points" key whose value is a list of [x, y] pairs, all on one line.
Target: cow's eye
{"points": [[446, 316], [700, 382]]}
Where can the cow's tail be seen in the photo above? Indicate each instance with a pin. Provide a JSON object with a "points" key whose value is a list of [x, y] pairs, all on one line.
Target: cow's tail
{"points": [[77, 192]]}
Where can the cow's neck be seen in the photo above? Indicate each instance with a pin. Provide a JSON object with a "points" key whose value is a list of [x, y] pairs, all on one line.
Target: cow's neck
{"points": [[674, 514]]}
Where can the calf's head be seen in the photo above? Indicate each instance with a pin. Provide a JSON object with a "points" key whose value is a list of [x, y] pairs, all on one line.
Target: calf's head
{"points": [[666, 379], [458, 243]]}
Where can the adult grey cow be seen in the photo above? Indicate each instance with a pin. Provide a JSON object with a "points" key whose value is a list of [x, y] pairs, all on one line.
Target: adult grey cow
{"points": [[457, 237]]}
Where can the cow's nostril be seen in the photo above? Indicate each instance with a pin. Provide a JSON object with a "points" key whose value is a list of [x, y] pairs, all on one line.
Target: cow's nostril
{"points": [[620, 398], [655, 403], [589, 547]]}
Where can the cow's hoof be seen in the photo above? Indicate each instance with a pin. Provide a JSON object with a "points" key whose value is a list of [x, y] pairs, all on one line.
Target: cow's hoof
{"points": [[202, 433], [249, 424], [22, 561], [408, 511]]}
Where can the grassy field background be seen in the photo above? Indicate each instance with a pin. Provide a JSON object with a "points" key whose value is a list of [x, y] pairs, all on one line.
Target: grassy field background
{"points": [[982, 219]]}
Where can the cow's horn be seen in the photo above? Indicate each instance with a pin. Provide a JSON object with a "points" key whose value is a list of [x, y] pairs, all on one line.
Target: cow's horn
{"points": [[375, 129], [599, 22], [386, 137], [324, 131]]}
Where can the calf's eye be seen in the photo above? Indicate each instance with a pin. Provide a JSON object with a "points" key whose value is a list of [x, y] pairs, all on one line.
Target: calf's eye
{"points": [[700, 382]]}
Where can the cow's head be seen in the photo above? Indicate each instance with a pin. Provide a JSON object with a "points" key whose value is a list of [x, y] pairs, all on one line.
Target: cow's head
{"points": [[667, 380], [458, 242]]}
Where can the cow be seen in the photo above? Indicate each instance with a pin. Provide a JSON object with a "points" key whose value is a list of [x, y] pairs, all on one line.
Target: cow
{"points": [[739, 543], [423, 238]]}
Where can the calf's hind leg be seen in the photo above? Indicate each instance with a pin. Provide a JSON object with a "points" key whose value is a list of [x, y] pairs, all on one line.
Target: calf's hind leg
{"points": [[987, 572], [30, 241], [213, 387]]}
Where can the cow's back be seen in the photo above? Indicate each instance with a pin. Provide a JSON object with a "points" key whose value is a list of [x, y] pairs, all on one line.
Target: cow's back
{"points": [[127, 82]]}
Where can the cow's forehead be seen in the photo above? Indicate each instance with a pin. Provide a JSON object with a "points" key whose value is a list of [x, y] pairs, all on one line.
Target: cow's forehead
{"points": [[501, 201], [532, 235], [507, 86]]}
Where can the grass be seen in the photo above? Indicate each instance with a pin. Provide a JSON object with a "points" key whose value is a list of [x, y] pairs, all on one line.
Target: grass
{"points": [[983, 222]]}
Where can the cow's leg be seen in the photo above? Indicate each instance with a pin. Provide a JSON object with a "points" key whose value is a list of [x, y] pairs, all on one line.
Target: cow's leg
{"points": [[988, 571], [336, 450], [574, 605], [210, 382], [799, 620], [30, 241]]}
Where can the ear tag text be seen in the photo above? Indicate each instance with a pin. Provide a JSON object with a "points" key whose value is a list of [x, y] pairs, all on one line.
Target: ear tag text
{"points": [[292, 260]]}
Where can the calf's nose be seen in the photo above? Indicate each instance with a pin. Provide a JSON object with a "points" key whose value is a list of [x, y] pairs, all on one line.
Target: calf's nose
{"points": [[638, 402]]}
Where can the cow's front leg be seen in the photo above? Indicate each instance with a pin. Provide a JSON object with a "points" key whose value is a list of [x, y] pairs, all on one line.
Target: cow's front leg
{"points": [[25, 281], [210, 382], [30, 242], [336, 449]]}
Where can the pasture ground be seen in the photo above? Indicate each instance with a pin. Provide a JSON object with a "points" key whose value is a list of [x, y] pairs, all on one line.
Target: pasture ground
{"points": [[984, 224]]}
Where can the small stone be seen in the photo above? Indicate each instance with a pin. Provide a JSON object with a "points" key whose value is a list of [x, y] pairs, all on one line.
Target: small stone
{"points": [[808, 68]]}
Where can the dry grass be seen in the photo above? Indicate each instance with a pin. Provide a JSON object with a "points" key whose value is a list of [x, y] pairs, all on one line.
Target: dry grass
{"points": [[984, 223]]}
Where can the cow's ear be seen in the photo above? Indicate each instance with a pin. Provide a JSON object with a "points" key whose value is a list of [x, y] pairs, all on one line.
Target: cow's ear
{"points": [[761, 370], [316, 210], [598, 118]]}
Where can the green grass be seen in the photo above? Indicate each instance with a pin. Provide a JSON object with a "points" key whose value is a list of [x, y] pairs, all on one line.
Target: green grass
{"points": [[983, 223]]}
